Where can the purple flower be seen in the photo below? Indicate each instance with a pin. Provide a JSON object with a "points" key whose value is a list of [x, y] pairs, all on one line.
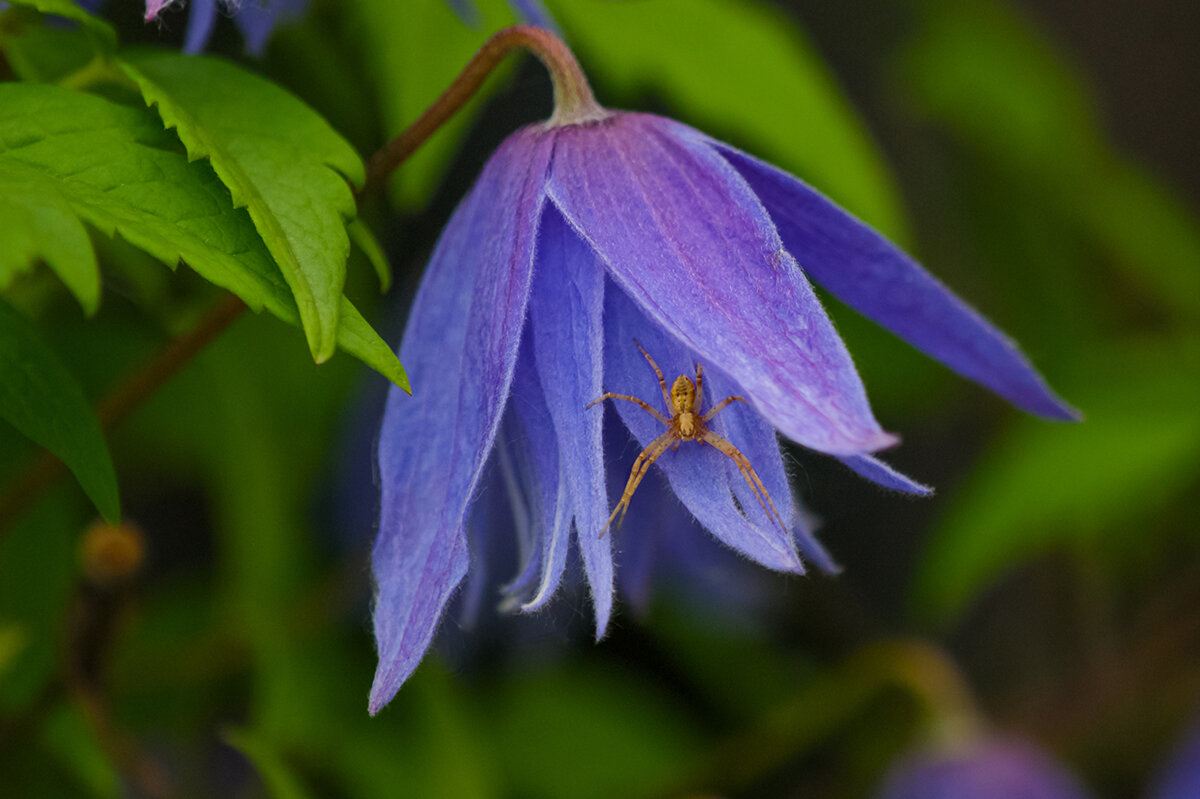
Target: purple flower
{"points": [[1180, 779], [529, 11], [994, 769], [256, 18], [579, 238]]}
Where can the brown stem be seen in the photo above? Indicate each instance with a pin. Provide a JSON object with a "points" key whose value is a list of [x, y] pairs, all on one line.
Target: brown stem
{"points": [[121, 401], [573, 100]]}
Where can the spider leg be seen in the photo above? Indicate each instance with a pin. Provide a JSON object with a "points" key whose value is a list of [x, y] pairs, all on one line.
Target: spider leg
{"points": [[640, 466], [720, 406], [699, 402], [662, 382], [645, 405], [743, 464]]}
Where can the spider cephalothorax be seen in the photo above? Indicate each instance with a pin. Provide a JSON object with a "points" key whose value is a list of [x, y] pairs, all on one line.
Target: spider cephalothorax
{"points": [[686, 423]]}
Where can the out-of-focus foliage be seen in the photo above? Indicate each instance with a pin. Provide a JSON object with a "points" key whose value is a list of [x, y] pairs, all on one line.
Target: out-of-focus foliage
{"points": [[1057, 565]]}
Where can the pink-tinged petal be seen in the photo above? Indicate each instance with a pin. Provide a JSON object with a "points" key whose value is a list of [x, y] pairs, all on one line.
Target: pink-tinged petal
{"points": [[682, 233], [880, 473], [460, 348], [871, 275], [705, 480], [153, 7], [564, 318]]}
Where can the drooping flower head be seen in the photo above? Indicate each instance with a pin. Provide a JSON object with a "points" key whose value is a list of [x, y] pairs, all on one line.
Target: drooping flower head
{"points": [[581, 235], [988, 769]]}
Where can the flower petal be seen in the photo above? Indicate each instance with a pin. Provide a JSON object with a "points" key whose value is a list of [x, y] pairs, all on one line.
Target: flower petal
{"points": [[257, 19], [460, 347], [537, 448], [683, 234], [804, 529], [154, 7], [564, 318], [879, 472], [871, 275], [705, 480], [202, 18]]}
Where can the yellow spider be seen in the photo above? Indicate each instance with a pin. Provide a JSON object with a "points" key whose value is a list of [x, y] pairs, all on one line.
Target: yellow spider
{"points": [[685, 424]]}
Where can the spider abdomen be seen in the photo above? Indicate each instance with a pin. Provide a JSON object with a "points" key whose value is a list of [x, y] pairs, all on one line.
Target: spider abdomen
{"points": [[688, 425]]}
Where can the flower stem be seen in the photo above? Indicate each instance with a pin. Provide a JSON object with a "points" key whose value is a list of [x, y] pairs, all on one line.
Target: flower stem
{"points": [[573, 99]]}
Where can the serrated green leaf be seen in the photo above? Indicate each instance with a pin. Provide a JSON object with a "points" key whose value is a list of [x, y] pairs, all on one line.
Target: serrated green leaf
{"points": [[96, 27], [740, 70], [279, 780], [36, 223], [365, 240], [279, 159], [1045, 487], [122, 172], [414, 50], [40, 398]]}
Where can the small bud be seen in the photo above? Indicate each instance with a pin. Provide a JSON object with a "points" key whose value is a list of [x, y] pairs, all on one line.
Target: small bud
{"points": [[111, 554]]}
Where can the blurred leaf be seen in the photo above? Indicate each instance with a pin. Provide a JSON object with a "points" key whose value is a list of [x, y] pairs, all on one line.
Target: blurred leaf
{"points": [[275, 774], [36, 223], [988, 74], [415, 50], [94, 26], [13, 639], [39, 397], [1047, 486], [365, 240], [1153, 236], [561, 730], [278, 158], [120, 171], [67, 734], [37, 52], [745, 71], [37, 568]]}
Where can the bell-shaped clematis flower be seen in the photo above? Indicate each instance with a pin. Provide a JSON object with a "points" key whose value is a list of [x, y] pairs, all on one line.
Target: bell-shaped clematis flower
{"points": [[988, 769], [581, 235]]}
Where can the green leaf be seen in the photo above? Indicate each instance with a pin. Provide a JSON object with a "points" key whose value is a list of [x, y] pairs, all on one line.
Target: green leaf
{"points": [[365, 240], [123, 173], [1050, 486], [73, 741], [990, 76], [280, 160], [414, 50], [38, 52], [40, 398], [100, 30], [36, 223], [744, 71], [280, 782]]}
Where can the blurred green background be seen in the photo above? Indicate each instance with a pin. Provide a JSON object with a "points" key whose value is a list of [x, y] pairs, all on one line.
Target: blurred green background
{"points": [[1038, 156]]}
